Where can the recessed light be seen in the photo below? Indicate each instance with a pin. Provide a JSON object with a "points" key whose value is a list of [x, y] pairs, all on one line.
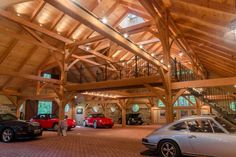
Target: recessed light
{"points": [[104, 20], [126, 35], [87, 48]]}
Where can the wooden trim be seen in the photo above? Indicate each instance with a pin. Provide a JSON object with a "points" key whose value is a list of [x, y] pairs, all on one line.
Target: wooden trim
{"points": [[229, 81]]}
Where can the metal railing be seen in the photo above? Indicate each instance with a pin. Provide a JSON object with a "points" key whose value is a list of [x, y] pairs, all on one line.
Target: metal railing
{"points": [[220, 100]]}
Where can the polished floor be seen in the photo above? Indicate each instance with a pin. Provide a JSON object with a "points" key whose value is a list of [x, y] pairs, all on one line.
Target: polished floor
{"points": [[83, 142]]}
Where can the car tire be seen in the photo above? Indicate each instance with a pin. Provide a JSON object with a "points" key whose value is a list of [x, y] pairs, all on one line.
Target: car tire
{"points": [[95, 124], [55, 127], [168, 148], [84, 124], [7, 135]]}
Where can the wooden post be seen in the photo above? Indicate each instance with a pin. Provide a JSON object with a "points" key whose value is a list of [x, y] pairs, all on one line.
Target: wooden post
{"points": [[62, 96], [72, 109], [38, 84], [198, 106], [123, 117], [122, 104]]}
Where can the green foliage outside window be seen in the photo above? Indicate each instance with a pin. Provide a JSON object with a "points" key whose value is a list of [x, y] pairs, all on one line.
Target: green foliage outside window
{"points": [[233, 106], [181, 101], [46, 75], [44, 107]]}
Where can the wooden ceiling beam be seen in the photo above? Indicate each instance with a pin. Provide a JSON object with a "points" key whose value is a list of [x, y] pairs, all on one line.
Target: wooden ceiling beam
{"points": [[150, 41], [209, 42], [215, 55], [28, 40], [113, 84], [157, 15], [8, 50], [37, 10], [211, 5], [20, 67], [77, 12], [217, 82], [7, 72], [57, 20], [91, 40], [210, 47], [31, 25], [221, 41]]}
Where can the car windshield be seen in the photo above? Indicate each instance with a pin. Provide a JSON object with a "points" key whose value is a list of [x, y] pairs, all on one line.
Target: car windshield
{"points": [[227, 125], [7, 117], [98, 116]]}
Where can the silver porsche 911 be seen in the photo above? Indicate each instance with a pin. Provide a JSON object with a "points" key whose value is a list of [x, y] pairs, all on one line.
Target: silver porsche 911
{"points": [[194, 136]]}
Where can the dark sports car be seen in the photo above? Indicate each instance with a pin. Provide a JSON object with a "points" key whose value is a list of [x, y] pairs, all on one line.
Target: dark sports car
{"points": [[11, 128], [132, 119]]}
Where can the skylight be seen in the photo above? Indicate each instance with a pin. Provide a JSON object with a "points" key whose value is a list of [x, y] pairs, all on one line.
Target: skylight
{"points": [[131, 20]]}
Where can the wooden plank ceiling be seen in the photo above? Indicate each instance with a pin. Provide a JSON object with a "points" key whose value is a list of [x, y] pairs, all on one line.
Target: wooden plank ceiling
{"points": [[31, 29]]}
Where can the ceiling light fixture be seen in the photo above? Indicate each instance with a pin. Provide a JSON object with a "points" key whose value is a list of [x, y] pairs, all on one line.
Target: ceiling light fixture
{"points": [[87, 48], [140, 46], [104, 20], [18, 14], [126, 35]]}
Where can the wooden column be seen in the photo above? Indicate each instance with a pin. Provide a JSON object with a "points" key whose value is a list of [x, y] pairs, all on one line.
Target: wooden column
{"points": [[38, 84], [122, 104], [198, 106], [62, 96], [104, 107], [72, 109], [123, 117]]}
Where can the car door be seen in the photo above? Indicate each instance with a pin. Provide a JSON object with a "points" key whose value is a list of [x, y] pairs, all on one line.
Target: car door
{"points": [[42, 120], [203, 139], [180, 133], [226, 141], [89, 120]]}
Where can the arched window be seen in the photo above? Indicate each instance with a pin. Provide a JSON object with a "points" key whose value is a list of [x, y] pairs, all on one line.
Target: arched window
{"points": [[67, 108], [44, 107], [135, 108]]}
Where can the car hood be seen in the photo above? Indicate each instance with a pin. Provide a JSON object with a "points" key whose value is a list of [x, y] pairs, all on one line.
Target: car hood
{"points": [[19, 122]]}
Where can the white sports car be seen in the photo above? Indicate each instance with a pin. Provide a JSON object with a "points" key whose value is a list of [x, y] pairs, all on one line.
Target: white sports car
{"points": [[194, 136]]}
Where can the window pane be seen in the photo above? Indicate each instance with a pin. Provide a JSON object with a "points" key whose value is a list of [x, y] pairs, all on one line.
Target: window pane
{"points": [[44, 107], [216, 128], [200, 126], [179, 126]]}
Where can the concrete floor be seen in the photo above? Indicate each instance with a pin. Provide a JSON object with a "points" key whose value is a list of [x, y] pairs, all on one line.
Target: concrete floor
{"points": [[82, 142]]}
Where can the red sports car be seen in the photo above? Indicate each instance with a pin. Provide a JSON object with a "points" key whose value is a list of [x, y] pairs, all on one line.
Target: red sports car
{"points": [[97, 120], [50, 121]]}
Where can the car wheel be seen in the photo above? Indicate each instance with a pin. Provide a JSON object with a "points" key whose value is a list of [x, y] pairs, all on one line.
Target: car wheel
{"points": [[84, 123], [7, 135], [169, 148], [55, 126], [95, 124]]}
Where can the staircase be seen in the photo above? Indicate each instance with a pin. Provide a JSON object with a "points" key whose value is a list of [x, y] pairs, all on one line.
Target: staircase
{"points": [[221, 101]]}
